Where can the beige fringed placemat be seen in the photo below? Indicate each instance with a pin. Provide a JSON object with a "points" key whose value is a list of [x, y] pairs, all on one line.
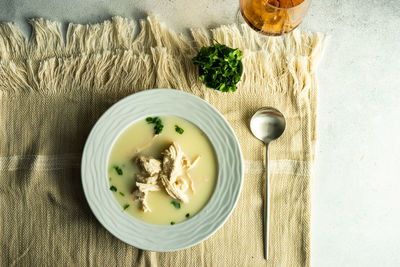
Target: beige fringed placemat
{"points": [[52, 92]]}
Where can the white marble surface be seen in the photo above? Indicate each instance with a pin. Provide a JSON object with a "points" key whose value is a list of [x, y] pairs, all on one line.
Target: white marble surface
{"points": [[356, 194]]}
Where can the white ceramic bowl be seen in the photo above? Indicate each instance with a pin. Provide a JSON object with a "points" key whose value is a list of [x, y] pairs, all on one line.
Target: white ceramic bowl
{"points": [[158, 102]]}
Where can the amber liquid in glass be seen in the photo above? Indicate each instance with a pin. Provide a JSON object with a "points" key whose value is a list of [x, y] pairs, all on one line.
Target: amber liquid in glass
{"points": [[274, 17]]}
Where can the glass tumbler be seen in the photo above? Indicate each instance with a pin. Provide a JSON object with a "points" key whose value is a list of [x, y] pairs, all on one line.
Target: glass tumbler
{"points": [[274, 17]]}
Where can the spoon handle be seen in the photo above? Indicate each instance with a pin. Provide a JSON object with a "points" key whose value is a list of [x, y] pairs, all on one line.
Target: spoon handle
{"points": [[266, 205]]}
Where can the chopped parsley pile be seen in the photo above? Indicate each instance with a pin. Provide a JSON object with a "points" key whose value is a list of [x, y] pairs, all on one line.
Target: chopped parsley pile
{"points": [[220, 67]]}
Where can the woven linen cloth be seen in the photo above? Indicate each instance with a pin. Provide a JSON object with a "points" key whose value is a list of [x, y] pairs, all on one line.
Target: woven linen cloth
{"points": [[52, 91]]}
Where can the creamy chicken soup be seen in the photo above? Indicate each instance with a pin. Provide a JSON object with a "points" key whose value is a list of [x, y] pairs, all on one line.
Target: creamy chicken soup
{"points": [[163, 178]]}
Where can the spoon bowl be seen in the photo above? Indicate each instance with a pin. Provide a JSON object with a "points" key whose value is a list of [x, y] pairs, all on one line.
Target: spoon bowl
{"points": [[267, 124]]}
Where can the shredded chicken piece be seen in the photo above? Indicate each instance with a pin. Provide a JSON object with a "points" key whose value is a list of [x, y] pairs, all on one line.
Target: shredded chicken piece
{"points": [[181, 184], [190, 181], [142, 192], [142, 197], [171, 172], [172, 161], [194, 162], [187, 164], [147, 179], [150, 166], [147, 187], [173, 189], [172, 169]]}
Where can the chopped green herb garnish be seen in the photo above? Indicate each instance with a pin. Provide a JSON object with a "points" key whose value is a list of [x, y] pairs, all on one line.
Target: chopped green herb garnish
{"points": [[109, 178], [158, 124], [118, 170], [113, 188], [220, 67], [122, 194], [176, 204], [178, 129], [172, 223], [126, 206], [187, 215]]}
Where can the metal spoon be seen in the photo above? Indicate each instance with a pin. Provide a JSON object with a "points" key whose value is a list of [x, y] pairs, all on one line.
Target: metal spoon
{"points": [[267, 124]]}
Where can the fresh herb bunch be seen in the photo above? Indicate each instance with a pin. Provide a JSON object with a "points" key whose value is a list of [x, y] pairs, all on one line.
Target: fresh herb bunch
{"points": [[220, 67]]}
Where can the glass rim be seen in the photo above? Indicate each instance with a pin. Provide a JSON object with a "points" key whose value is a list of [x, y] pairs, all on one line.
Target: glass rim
{"points": [[284, 8]]}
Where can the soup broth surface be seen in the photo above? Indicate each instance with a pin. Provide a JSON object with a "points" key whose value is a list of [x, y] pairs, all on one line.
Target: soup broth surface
{"points": [[122, 169]]}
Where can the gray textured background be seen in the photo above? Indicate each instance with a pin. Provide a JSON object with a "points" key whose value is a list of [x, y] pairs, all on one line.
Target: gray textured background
{"points": [[356, 198]]}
